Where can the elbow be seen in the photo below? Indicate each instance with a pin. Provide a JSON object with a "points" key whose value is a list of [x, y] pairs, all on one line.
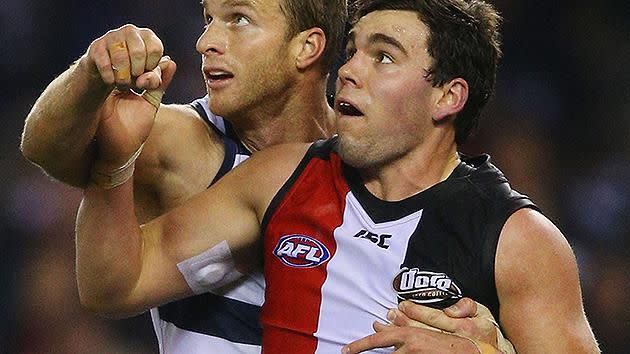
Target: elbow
{"points": [[30, 145], [30, 149], [33, 145]]}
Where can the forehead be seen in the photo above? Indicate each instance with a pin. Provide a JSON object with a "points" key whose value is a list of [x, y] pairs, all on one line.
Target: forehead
{"points": [[257, 5], [404, 26]]}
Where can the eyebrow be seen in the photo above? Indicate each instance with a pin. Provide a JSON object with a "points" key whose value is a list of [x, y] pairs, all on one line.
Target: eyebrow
{"points": [[233, 3], [376, 38]]}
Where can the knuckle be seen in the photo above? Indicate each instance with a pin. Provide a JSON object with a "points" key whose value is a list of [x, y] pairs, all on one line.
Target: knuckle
{"points": [[469, 303], [146, 32], [128, 27], [92, 51]]}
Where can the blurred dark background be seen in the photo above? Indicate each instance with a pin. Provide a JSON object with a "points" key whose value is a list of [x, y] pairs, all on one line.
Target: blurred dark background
{"points": [[558, 126]]}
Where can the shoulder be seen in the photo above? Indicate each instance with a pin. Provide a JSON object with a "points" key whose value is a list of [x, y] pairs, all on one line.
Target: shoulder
{"points": [[261, 176], [484, 186], [179, 132], [538, 284], [529, 239], [174, 120]]}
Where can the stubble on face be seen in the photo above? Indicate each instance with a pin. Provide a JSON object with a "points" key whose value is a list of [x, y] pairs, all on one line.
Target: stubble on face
{"points": [[258, 56], [395, 95]]}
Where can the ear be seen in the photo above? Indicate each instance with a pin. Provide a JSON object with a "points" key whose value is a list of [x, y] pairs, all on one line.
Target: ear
{"points": [[311, 45], [453, 99]]}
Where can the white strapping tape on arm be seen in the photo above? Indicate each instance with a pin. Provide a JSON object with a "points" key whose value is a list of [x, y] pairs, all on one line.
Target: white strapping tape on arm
{"points": [[210, 270]]}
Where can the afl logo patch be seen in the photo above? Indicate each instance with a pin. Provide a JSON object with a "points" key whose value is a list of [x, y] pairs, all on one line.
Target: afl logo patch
{"points": [[301, 251], [426, 288]]}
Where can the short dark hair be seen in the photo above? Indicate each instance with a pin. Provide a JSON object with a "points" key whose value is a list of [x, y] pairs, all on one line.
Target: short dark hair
{"points": [[464, 42], [329, 15]]}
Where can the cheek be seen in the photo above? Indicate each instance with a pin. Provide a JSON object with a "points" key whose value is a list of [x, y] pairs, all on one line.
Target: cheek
{"points": [[402, 100]]}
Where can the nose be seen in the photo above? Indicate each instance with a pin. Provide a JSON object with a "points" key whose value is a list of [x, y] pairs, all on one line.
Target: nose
{"points": [[213, 40], [347, 73]]}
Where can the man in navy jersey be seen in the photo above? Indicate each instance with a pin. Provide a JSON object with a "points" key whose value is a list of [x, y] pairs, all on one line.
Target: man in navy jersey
{"points": [[258, 95], [387, 211]]}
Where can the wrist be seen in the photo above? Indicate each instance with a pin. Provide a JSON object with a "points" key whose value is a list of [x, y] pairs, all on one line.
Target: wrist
{"points": [[108, 177], [479, 346]]}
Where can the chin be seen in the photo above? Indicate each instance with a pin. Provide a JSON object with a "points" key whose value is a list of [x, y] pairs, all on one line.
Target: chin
{"points": [[220, 106], [354, 153]]}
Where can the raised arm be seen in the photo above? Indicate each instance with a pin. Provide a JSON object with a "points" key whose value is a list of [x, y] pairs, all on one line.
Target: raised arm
{"points": [[123, 269], [539, 290], [59, 130]]}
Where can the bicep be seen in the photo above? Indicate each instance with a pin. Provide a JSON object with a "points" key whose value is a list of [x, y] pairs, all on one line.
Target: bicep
{"points": [[225, 212], [180, 158], [211, 218], [538, 288], [229, 212]]}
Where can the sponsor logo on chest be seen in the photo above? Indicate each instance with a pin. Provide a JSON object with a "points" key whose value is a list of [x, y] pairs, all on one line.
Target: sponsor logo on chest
{"points": [[301, 251], [426, 288]]}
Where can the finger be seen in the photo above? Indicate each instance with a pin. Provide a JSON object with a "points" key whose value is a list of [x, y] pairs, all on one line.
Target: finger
{"points": [[154, 48], [380, 327], [377, 340], [465, 307], [119, 57], [165, 71], [168, 68], [149, 81], [137, 52], [398, 318], [152, 80], [428, 316], [100, 56]]}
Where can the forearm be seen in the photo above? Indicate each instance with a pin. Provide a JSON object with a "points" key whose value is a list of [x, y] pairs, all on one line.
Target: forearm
{"points": [[109, 248], [60, 128]]}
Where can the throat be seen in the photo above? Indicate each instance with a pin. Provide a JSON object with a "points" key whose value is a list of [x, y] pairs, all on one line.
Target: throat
{"points": [[404, 180]]}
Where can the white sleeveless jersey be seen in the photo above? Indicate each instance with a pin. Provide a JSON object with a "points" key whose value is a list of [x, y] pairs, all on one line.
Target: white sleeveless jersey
{"points": [[223, 320]]}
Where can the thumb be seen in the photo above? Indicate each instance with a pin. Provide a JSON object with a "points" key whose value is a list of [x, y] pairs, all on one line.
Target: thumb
{"points": [[165, 71], [465, 307], [167, 67]]}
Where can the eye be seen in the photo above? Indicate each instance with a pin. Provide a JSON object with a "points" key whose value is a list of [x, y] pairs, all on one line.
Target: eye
{"points": [[241, 20], [384, 58], [350, 53], [207, 19]]}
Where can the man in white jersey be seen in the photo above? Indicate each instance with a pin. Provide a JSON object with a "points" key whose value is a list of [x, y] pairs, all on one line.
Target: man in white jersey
{"points": [[272, 98]]}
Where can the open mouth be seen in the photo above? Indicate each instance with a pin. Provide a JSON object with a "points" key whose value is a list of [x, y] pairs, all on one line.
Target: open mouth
{"points": [[348, 109], [219, 75]]}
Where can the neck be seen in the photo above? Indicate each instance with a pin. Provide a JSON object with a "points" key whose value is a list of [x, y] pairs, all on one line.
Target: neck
{"points": [[301, 115], [423, 167]]}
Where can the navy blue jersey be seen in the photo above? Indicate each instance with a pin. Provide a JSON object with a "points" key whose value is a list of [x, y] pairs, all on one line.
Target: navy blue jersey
{"points": [[224, 320]]}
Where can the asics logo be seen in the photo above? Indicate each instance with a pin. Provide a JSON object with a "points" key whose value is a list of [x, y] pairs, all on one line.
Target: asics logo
{"points": [[381, 241]]}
